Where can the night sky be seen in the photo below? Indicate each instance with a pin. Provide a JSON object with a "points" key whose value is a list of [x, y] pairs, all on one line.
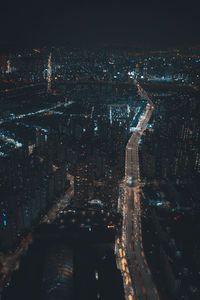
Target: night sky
{"points": [[141, 23]]}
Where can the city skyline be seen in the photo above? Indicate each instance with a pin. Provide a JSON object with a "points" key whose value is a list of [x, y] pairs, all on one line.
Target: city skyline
{"points": [[99, 146]]}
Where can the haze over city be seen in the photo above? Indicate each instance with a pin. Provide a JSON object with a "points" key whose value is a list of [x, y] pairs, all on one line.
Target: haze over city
{"points": [[143, 23]]}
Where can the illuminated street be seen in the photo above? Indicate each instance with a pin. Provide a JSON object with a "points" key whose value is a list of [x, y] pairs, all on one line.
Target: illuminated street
{"points": [[131, 251]]}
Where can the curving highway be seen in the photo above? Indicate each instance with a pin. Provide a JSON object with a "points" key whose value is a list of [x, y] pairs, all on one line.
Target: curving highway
{"points": [[140, 279]]}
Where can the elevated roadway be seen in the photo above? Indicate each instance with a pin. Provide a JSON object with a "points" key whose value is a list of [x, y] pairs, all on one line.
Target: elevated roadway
{"points": [[140, 284]]}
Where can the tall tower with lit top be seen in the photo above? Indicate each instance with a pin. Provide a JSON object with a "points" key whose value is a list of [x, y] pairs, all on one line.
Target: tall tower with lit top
{"points": [[137, 68], [49, 71], [8, 67]]}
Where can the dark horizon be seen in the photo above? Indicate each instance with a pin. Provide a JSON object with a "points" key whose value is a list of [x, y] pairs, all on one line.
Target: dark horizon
{"points": [[150, 25]]}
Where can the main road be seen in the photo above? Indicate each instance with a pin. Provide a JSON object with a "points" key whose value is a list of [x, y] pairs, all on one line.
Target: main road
{"points": [[129, 248]]}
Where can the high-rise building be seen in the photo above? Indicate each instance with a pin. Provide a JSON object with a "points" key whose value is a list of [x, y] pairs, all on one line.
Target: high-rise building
{"points": [[83, 182]]}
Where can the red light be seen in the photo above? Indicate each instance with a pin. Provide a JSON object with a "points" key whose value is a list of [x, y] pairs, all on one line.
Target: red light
{"points": [[176, 218]]}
